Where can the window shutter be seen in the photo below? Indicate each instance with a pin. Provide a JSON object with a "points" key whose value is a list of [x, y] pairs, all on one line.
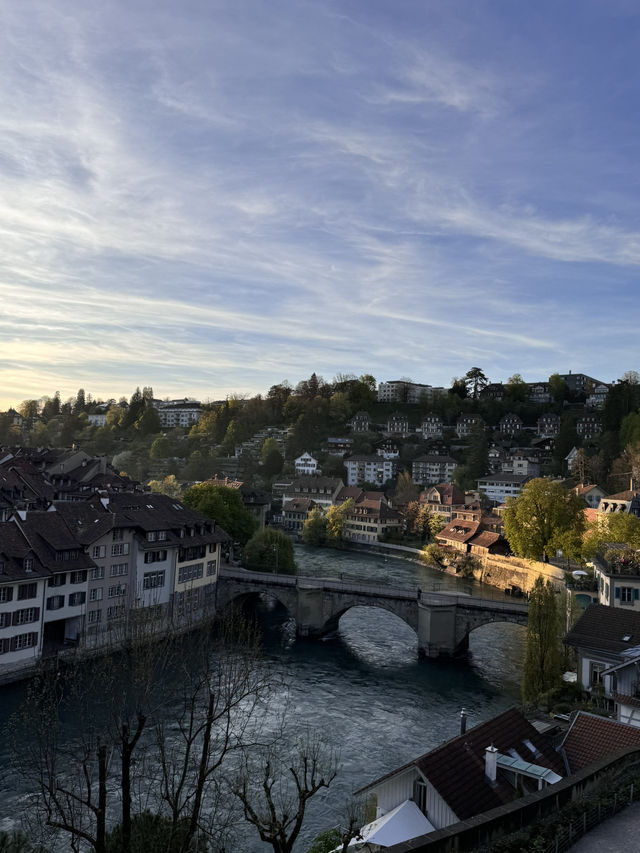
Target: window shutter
{"points": [[14, 618], [636, 594], [36, 614], [617, 592], [14, 644]]}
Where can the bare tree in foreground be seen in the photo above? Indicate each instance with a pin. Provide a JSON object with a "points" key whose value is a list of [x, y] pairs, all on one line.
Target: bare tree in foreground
{"points": [[275, 790]]}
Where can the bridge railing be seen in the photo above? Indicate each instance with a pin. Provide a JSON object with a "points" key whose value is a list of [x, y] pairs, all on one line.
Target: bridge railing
{"points": [[372, 588]]}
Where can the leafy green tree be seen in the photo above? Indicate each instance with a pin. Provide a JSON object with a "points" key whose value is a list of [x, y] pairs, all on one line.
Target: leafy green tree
{"points": [[225, 506], [335, 522], [167, 486], [149, 421], [160, 448], [406, 489], [436, 524], [314, 530], [558, 388], [516, 388], [273, 464], [433, 555], [615, 527], [542, 663], [475, 381], [270, 550], [543, 518], [458, 387]]}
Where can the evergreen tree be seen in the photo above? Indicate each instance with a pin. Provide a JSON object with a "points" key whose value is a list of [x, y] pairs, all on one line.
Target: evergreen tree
{"points": [[542, 664]]}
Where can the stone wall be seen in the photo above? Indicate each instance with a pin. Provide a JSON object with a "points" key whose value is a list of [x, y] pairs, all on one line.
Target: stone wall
{"points": [[517, 573]]}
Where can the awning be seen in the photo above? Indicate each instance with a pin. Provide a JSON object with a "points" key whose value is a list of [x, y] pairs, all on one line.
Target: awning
{"points": [[400, 824]]}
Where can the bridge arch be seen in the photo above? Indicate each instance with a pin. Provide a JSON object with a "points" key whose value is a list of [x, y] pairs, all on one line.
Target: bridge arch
{"points": [[332, 623]]}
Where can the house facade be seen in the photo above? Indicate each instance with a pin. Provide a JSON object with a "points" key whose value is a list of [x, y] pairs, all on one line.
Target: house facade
{"points": [[499, 487], [306, 464], [363, 469], [431, 468]]}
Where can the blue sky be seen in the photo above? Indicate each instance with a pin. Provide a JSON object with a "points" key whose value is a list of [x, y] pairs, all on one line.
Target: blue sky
{"points": [[214, 195]]}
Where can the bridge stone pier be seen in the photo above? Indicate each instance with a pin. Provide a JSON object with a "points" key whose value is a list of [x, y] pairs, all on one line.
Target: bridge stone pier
{"points": [[442, 621]]}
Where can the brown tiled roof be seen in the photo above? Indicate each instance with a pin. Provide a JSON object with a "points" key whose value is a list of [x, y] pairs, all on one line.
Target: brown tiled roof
{"points": [[485, 539], [457, 768], [459, 530], [299, 505], [591, 738], [602, 627]]}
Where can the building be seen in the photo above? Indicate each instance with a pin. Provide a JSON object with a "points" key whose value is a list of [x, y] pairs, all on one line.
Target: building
{"points": [[617, 576], [404, 391], [588, 426], [432, 468], [370, 519], [522, 464], [499, 487], [466, 424], [296, 512], [548, 425], [306, 464], [597, 397], [627, 502], [590, 493], [360, 422], [91, 572], [483, 768], [580, 383], [178, 413], [539, 392], [443, 499], [372, 468], [322, 490], [431, 426], [397, 425], [510, 424]]}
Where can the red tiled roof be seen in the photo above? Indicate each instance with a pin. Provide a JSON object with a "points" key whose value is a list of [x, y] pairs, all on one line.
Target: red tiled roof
{"points": [[485, 539], [459, 530], [592, 738]]}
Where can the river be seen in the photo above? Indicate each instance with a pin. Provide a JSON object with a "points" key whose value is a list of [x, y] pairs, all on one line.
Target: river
{"points": [[365, 687]]}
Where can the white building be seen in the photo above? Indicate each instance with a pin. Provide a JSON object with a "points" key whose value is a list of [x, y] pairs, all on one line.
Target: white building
{"points": [[369, 469], [499, 487], [306, 464]]}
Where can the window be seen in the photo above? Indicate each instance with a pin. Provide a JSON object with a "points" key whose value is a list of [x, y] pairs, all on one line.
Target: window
{"points": [[77, 598], [189, 573], [152, 535], [162, 535], [119, 569], [118, 535], [55, 602], [23, 641], [27, 590], [99, 551], [96, 594], [94, 616], [115, 612], [155, 556], [58, 580], [6, 593], [97, 573], [626, 594], [28, 564], [211, 568], [78, 577], [595, 673], [117, 591], [23, 617], [153, 580], [5, 620], [120, 549]]}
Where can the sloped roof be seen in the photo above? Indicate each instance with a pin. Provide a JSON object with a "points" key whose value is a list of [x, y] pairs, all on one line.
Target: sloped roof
{"points": [[602, 627], [485, 539], [459, 530], [457, 768], [591, 738]]}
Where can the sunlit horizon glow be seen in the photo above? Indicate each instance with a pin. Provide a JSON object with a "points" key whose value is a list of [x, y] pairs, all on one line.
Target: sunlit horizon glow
{"points": [[212, 197]]}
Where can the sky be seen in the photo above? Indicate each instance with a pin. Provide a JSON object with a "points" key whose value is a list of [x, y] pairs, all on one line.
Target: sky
{"points": [[212, 196]]}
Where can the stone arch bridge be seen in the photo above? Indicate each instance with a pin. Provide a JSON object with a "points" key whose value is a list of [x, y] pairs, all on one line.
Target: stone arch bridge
{"points": [[442, 621]]}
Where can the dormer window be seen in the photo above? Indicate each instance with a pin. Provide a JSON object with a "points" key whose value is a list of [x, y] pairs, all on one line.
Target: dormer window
{"points": [[28, 564]]}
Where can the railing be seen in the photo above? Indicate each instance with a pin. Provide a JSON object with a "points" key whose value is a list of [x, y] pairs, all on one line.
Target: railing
{"points": [[371, 588]]}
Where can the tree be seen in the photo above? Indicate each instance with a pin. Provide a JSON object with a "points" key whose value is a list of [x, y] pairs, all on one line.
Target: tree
{"points": [[80, 403], [167, 486], [614, 527], [458, 387], [160, 448], [314, 530], [433, 555], [224, 505], [275, 795], [543, 518], [516, 388], [270, 550], [436, 524], [148, 423], [29, 411], [335, 522], [542, 664], [558, 388], [475, 381], [406, 489]]}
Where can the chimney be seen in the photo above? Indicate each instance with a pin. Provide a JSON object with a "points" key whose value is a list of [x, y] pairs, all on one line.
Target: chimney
{"points": [[463, 720], [491, 763]]}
